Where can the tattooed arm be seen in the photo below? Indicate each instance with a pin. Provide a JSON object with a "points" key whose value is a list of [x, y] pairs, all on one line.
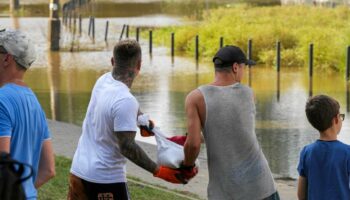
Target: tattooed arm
{"points": [[130, 149]]}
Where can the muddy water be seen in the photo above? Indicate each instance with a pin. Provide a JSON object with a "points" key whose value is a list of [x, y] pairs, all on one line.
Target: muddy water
{"points": [[193, 9], [63, 83]]}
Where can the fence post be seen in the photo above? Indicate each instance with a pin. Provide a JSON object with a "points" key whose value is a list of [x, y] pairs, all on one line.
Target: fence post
{"points": [[70, 20], [127, 31], [74, 22], [106, 31], [197, 48], [348, 64], [150, 41], [221, 42], [121, 34], [137, 34], [311, 63], [347, 98], [54, 26], [250, 57], [64, 17], [14, 5], [278, 66], [80, 25], [250, 46], [172, 45], [93, 29], [311, 59], [90, 23], [278, 57]]}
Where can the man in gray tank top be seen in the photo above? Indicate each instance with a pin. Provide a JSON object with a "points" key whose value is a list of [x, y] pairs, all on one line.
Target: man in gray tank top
{"points": [[224, 111]]}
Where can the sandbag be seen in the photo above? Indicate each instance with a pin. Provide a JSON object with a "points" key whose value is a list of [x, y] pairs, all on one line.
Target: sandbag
{"points": [[169, 153]]}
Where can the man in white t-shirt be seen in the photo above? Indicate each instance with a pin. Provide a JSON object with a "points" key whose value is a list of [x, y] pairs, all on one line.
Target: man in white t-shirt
{"points": [[108, 136]]}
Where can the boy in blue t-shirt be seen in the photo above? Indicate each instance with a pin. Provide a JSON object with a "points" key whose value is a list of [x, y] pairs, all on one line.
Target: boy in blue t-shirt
{"points": [[324, 165]]}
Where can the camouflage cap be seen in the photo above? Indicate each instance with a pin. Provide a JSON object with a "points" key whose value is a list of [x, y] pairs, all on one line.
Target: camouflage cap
{"points": [[19, 46]]}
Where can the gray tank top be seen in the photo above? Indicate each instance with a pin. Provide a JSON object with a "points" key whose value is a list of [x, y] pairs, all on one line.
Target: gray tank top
{"points": [[237, 166]]}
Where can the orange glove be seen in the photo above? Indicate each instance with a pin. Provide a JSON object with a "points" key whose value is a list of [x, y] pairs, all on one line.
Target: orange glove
{"points": [[188, 172], [170, 175], [178, 139], [146, 131]]}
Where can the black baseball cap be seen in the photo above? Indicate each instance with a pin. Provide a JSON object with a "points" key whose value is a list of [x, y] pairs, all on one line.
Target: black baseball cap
{"points": [[228, 55]]}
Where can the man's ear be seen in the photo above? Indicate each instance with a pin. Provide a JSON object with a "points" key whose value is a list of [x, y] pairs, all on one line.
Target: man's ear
{"points": [[8, 59], [336, 119], [112, 61], [235, 67]]}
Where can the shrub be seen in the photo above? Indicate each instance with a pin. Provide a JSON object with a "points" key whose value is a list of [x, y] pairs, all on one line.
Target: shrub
{"points": [[295, 26]]}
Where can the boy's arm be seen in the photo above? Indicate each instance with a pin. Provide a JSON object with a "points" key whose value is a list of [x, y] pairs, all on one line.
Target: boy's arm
{"points": [[302, 188]]}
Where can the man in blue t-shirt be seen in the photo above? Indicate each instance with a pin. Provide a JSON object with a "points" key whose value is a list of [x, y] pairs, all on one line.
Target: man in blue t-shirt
{"points": [[23, 127], [324, 166]]}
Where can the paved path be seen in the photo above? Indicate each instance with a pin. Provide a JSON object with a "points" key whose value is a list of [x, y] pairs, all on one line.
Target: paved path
{"points": [[65, 138]]}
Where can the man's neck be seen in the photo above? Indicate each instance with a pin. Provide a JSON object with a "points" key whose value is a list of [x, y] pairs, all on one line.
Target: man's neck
{"points": [[127, 79], [224, 79], [16, 79]]}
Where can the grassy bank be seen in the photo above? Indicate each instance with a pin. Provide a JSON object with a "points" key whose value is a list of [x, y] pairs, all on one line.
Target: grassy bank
{"points": [[295, 26], [57, 188]]}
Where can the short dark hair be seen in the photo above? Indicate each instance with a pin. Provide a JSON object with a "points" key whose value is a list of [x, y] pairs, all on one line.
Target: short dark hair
{"points": [[227, 69], [127, 53], [320, 111]]}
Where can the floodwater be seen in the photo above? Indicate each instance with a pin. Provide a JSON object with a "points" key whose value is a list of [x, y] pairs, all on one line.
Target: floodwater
{"points": [[63, 82]]}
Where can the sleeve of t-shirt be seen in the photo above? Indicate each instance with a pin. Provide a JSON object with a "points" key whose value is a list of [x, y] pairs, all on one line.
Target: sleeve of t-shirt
{"points": [[301, 165], [125, 115], [5, 122]]}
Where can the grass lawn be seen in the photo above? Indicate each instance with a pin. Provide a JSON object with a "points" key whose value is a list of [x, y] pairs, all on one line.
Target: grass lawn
{"points": [[57, 188]]}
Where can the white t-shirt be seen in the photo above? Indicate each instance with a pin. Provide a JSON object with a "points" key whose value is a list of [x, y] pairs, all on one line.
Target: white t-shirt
{"points": [[112, 108]]}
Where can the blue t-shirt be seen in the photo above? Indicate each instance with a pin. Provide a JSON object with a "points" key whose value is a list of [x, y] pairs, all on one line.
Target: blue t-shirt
{"points": [[22, 119], [326, 167]]}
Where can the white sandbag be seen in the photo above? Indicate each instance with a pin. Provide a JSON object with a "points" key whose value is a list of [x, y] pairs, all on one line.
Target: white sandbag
{"points": [[169, 153]]}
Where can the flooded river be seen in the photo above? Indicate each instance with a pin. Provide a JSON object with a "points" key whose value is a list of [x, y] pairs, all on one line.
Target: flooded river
{"points": [[63, 83]]}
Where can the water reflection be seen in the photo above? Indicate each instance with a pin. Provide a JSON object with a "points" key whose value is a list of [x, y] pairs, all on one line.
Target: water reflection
{"points": [[54, 62], [347, 98], [310, 86], [15, 21], [278, 86]]}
